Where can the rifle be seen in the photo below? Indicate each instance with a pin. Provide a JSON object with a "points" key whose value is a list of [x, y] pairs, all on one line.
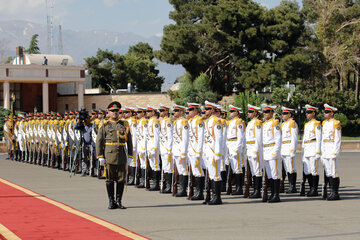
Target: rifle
{"points": [[175, 181], [137, 175], [147, 173], [302, 185], [282, 182], [207, 187], [191, 184], [248, 180], [229, 181], [73, 167], [324, 186], [265, 188]]}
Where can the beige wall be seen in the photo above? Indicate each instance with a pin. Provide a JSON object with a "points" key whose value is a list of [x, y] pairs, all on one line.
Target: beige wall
{"points": [[102, 101]]}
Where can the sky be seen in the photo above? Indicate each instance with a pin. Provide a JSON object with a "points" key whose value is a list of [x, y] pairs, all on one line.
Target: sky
{"points": [[143, 17]]}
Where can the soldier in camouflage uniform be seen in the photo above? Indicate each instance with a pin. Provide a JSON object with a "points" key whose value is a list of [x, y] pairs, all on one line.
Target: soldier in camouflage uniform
{"points": [[113, 146]]}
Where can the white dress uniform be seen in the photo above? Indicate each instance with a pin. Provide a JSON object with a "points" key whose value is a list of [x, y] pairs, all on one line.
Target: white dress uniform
{"points": [[331, 143], [196, 141], [235, 140], [180, 145], [132, 161], [289, 133], [253, 134], [311, 145], [141, 134], [166, 141], [153, 143], [271, 147]]}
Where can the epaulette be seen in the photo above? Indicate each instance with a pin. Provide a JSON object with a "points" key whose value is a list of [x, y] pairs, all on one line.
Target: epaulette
{"points": [[275, 122], [156, 121], [239, 121], [183, 122], [217, 121], [292, 123], [317, 123], [258, 122], [337, 124]]}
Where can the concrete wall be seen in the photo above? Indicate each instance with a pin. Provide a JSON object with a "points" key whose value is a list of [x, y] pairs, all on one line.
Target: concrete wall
{"points": [[102, 101]]}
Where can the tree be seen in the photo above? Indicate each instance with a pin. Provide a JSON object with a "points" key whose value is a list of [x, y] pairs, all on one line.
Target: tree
{"points": [[244, 98], [193, 91], [111, 71], [33, 47]]}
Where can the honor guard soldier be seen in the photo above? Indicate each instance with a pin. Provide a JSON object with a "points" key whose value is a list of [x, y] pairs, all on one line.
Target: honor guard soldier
{"points": [[195, 151], [153, 145], [311, 145], [141, 143], [113, 146], [225, 160], [235, 139], [289, 133], [166, 141], [213, 150], [129, 115], [271, 151], [180, 148], [254, 144], [331, 143]]}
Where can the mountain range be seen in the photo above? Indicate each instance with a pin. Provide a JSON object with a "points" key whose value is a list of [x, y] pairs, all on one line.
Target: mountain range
{"points": [[79, 44]]}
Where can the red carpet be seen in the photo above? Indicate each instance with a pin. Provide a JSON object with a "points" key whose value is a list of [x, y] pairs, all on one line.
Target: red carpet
{"points": [[27, 215]]}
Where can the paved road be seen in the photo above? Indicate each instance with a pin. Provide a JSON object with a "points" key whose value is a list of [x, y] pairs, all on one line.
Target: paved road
{"points": [[164, 217]]}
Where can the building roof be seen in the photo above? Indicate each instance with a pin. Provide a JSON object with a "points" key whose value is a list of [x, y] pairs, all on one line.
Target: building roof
{"points": [[37, 59]]}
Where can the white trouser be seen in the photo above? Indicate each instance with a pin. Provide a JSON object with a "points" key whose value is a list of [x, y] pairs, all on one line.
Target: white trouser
{"points": [[142, 157], [289, 163], [330, 167], [236, 162], [154, 161], [255, 166], [197, 165], [222, 164], [181, 165], [310, 165], [132, 162], [167, 163], [213, 168], [272, 168]]}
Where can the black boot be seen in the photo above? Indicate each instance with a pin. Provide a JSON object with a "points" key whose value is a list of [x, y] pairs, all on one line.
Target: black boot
{"points": [[119, 193], [223, 181], [156, 187], [243, 176], [142, 179], [168, 180], [276, 197], [200, 183], [238, 184], [272, 188], [110, 192], [257, 187], [57, 162], [131, 176], [292, 183], [335, 189], [216, 197], [310, 180], [183, 180], [314, 189]]}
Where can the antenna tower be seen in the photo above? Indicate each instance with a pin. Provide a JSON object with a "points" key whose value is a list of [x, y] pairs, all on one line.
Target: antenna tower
{"points": [[60, 44], [49, 24]]}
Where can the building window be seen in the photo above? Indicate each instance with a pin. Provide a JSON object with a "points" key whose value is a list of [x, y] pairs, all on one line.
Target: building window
{"points": [[66, 107], [93, 106]]}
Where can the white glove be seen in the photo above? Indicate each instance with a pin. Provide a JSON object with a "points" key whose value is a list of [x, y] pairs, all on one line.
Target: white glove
{"points": [[101, 161]]}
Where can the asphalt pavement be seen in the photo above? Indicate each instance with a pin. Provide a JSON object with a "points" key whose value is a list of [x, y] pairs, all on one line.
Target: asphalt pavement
{"points": [[159, 216]]}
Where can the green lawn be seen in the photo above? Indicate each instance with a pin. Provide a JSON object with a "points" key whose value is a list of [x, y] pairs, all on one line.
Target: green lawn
{"points": [[350, 138]]}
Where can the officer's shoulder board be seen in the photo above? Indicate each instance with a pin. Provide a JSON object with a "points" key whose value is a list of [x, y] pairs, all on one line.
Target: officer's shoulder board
{"points": [[156, 121], [317, 123], [258, 122], [238, 121], [184, 122], [199, 120], [217, 121], [292, 123], [337, 124]]}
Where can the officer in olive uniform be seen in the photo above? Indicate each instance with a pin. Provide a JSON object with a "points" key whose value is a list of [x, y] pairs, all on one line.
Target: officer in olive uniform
{"points": [[113, 147]]}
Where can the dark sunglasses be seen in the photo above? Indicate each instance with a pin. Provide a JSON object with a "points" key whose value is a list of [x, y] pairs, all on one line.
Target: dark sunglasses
{"points": [[202, 112], [250, 111], [176, 110], [187, 113], [161, 110], [266, 111], [327, 111], [126, 111], [231, 111], [285, 113], [309, 111], [191, 109], [208, 108], [114, 110], [139, 112], [149, 110]]}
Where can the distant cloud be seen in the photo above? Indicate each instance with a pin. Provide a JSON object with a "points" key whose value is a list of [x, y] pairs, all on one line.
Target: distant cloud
{"points": [[159, 34], [111, 3], [155, 21], [21, 6]]}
